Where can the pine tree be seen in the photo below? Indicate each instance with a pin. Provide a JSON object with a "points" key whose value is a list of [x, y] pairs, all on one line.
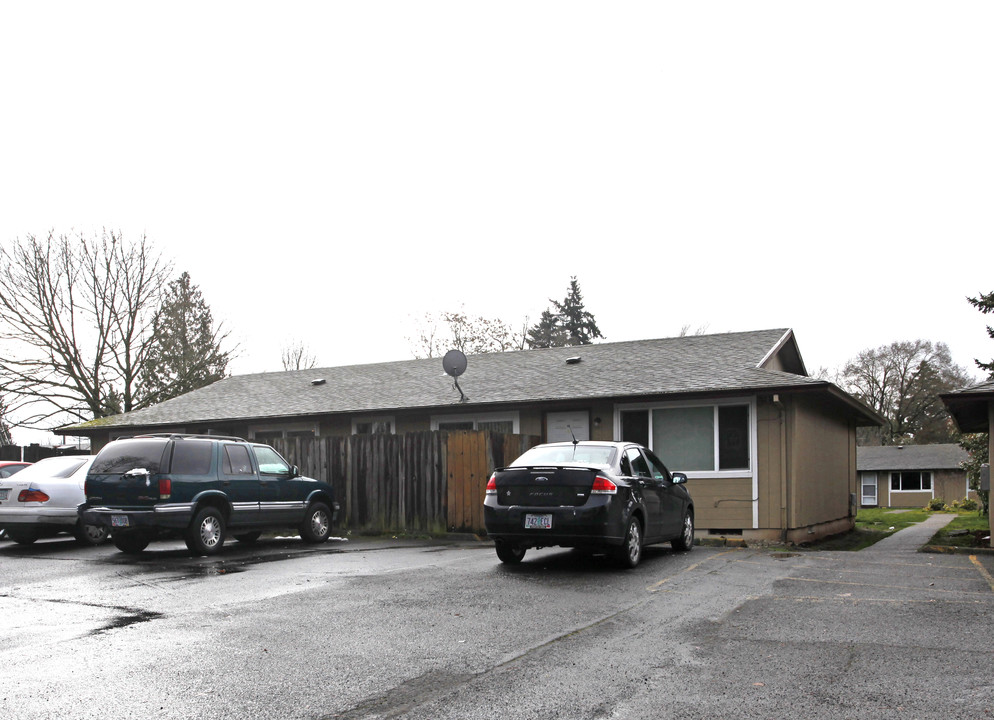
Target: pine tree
{"points": [[547, 332], [187, 352], [580, 326], [985, 304]]}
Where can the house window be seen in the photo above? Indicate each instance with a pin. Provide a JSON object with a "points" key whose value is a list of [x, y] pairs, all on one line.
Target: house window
{"points": [[694, 438], [373, 426], [494, 422], [910, 481], [268, 433]]}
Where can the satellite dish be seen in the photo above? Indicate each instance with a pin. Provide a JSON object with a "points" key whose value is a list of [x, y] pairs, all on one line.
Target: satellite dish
{"points": [[454, 363]]}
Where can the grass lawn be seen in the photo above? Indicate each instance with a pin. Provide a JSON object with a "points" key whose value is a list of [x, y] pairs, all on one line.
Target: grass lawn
{"points": [[964, 531], [874, 524]]}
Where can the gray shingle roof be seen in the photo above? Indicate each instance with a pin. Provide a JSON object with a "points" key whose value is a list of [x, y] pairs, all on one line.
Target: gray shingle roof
{"points": [[691, 364], [910, 457]]}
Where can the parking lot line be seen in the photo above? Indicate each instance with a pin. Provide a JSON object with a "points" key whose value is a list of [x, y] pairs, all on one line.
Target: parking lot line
{"points": [[983, 571]]}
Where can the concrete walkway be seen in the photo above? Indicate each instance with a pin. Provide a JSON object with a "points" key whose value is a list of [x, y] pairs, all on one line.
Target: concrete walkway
{"points": [[911, 538]]}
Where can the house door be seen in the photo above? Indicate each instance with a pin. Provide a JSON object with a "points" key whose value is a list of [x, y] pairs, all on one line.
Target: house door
{"points": [[869, 494]]}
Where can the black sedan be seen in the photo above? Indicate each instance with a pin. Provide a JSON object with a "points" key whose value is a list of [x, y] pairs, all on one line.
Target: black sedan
{"points": [[596, 496]]}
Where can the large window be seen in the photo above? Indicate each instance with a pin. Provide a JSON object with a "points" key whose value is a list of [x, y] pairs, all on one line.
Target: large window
{"points": [[694, 438], [494, 422], [911, 481], [373, 426]]}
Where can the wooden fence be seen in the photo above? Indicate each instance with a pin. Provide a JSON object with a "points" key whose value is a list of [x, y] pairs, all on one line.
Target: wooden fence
{"points": [[417, 482], [34, 453]]}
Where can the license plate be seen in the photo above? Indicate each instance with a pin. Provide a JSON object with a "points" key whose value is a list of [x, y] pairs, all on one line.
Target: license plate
{"points": [[4, 493], [538, 522], [119, 521]]}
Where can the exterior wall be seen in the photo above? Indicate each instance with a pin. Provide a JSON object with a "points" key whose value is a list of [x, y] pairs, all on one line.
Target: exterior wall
{"points": [[771, 463], [822, 465], [951, 485], [722, 503]]}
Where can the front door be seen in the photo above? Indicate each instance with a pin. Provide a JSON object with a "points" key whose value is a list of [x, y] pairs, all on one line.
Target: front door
{"points": [[869, 494]]}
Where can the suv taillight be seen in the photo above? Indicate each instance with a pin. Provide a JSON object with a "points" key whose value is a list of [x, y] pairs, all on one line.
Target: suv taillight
{"points": [[32, 495], [165, 488], [492, 484], [603, 486]]}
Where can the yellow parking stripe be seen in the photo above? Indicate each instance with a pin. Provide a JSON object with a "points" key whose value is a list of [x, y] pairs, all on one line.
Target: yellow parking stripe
{"points": [[983, 571]]}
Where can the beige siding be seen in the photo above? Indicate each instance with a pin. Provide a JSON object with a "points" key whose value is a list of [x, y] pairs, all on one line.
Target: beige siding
{"points": [[950, 485], [770, 464], [822, 464], [724, 503]]}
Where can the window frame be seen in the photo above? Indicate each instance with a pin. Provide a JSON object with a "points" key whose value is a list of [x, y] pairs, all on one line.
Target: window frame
{"points": [[750, 402], [477, 418], [375, 419], [283, 429], [921, 476]]}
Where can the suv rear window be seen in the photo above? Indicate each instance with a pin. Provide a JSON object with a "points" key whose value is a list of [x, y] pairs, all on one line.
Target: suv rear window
{"points": [[192, 457], [124, 455]]}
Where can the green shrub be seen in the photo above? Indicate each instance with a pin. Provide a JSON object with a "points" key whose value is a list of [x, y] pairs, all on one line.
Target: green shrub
{"points": [[935, 505], [968, 504]]}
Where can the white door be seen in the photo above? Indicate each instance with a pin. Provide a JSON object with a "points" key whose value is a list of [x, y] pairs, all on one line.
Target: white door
{"points": [[563, 426], [869, 494]]}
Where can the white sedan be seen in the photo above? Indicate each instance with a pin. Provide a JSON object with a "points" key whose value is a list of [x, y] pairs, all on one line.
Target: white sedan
{"points": [[43, 500]]}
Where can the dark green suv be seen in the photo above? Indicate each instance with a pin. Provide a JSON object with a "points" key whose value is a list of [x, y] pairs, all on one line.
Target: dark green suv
{"points": [[201, 487]]}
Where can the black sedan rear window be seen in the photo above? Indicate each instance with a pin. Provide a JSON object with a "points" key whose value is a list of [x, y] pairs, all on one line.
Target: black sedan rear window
{"points": [[566, 454], [125, 455]]}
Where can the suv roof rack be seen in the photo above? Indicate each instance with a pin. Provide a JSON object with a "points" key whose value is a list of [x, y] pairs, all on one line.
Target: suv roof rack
{"points": [[187, 436]]}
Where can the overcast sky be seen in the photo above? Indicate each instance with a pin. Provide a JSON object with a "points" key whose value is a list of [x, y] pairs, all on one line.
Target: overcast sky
{"points": [[332, 171]]}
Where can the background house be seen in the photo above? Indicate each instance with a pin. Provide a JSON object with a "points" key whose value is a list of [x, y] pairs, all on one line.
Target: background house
{"points": [[771, 452], [911, 475]]}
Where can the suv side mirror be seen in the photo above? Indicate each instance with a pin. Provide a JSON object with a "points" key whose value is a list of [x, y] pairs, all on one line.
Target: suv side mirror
{"points": [[679, 478], [294, 471]]}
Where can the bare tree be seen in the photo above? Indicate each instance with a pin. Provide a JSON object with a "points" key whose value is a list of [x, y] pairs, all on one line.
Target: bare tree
{"points": [[439, 333], [77, 323], [297, 356], [902, 382]]}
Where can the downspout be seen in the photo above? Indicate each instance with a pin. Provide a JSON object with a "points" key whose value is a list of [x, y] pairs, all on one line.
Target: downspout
{"points": [[782, 416]]}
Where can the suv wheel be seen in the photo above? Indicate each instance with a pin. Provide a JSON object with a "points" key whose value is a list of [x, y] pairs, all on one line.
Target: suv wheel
{"points": [[130, 543], [205, 536], [509, 552], [317, 524]]}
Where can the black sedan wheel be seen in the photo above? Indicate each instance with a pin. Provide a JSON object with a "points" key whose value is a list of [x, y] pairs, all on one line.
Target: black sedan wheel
{"points": [[510, 553], [630, 553], [686, 540]]}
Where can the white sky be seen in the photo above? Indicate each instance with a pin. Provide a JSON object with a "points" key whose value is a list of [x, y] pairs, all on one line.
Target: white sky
{"points": [[332, 171]]}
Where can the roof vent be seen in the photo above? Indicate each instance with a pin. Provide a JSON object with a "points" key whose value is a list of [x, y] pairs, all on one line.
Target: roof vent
{"points": [[318, 381], [574, 360]]}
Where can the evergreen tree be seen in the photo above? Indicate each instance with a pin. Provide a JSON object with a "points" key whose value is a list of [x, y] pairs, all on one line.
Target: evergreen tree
{"points": [[547, 332], [985, 304], [187, 351], [580, 326]]}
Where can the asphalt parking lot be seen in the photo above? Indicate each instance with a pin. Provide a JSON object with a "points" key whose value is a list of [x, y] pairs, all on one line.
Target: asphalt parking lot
{"points": [[364, 628]]}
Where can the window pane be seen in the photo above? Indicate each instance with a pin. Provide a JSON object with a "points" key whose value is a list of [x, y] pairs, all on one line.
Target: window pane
{"points": [[270, 461], [456, 425], [733, 437], [497, 426], [684, 437], [236, 460], [895, 481], [926, 481], [192, 457], [635, 426]]}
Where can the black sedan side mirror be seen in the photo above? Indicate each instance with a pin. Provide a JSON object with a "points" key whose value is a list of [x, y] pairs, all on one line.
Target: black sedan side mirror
{"points": [[679, 478]]}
